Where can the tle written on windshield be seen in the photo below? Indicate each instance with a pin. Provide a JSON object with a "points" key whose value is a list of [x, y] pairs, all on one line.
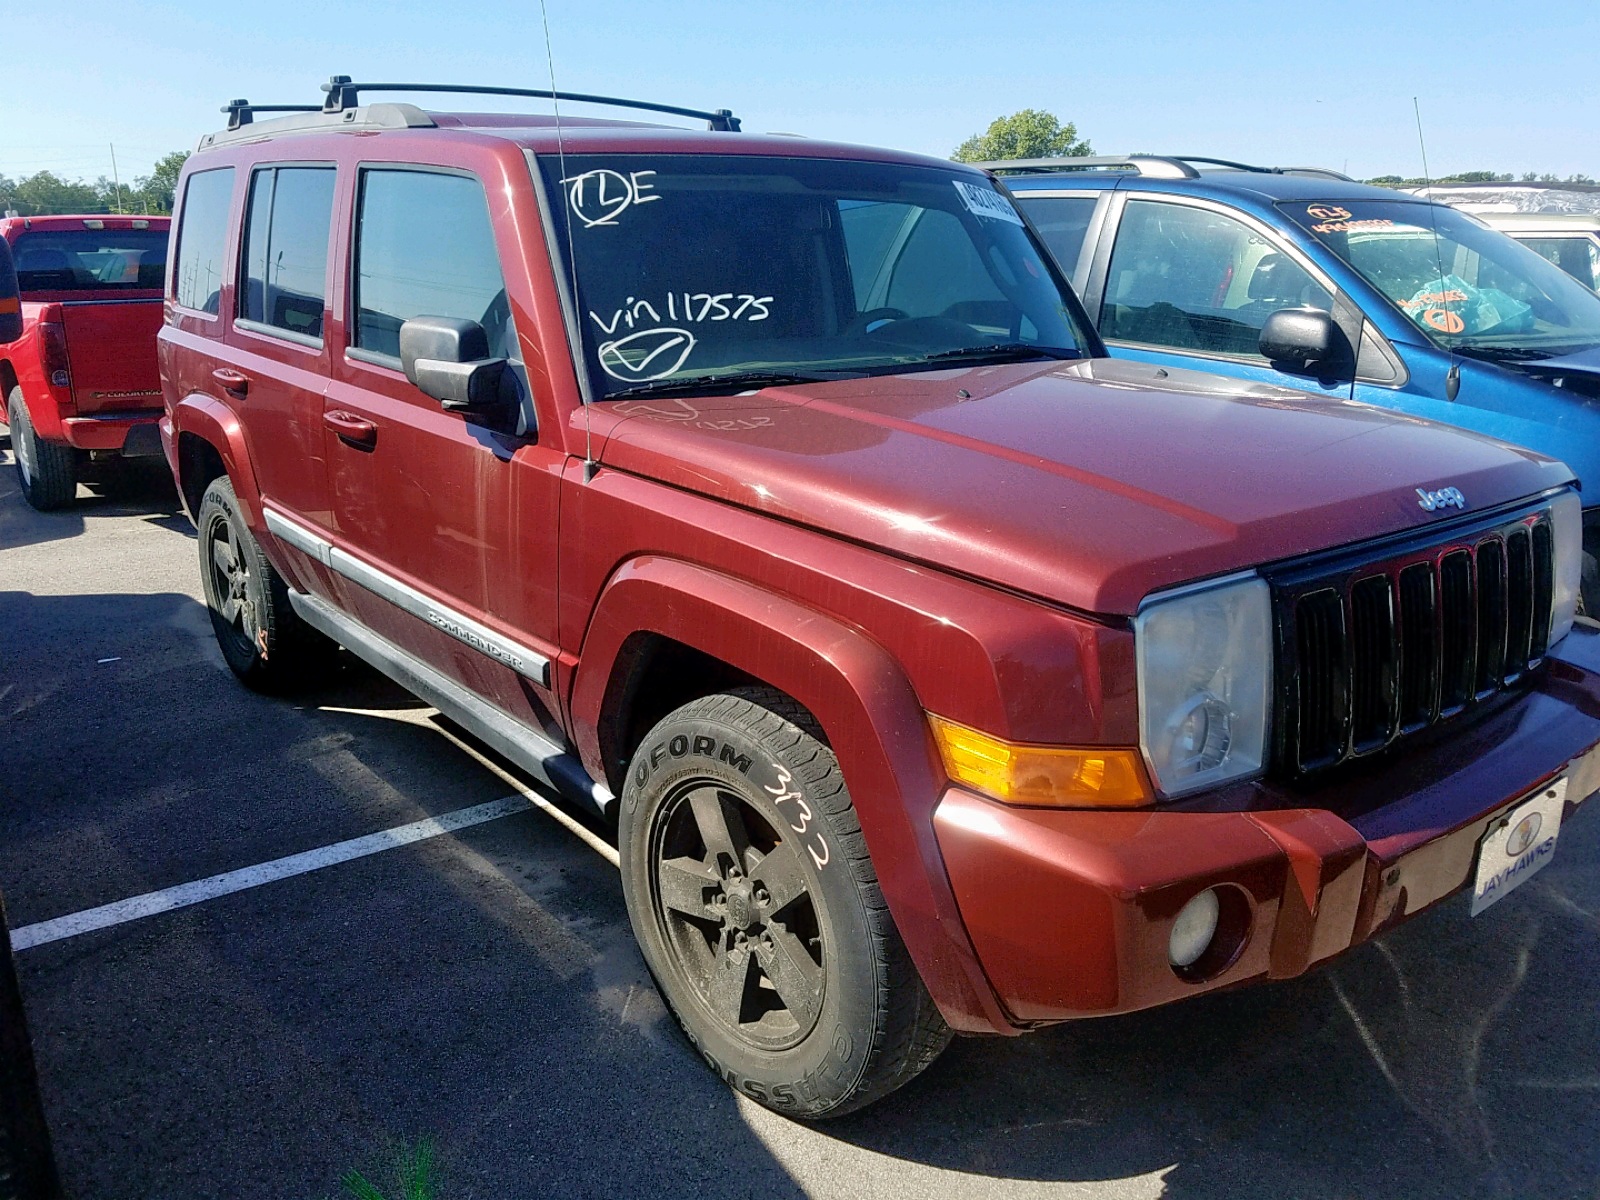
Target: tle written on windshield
{"points": [[750, 271]]}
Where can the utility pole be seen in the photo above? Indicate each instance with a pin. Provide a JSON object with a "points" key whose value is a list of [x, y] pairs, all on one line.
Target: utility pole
{"points": [[116, 181]]}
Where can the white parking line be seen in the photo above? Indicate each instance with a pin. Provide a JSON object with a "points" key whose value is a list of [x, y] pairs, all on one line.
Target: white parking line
{"points": [[185, 894]]}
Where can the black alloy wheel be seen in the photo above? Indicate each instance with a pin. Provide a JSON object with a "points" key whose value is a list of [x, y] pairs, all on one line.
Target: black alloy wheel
{"points": [[737, 909]]}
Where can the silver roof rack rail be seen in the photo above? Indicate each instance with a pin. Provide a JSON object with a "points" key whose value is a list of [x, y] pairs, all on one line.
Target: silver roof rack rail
{"points": [[312, 120], [1151, 166]]}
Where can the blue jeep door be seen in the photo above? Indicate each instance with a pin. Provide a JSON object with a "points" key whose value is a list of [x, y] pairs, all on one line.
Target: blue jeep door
{"points": [[1189, 284]]}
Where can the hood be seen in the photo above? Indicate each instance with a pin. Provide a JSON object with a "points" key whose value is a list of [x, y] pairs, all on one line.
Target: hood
{"points": [[1583, 362], [1090, 484]]}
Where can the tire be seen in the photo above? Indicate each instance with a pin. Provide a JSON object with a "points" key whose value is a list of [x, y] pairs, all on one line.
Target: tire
{"points": [[263, 639], [758, 910], [48, 471]]}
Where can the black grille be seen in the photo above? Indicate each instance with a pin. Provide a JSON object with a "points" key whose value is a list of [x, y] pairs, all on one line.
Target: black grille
{"points": [[1372, 648]]}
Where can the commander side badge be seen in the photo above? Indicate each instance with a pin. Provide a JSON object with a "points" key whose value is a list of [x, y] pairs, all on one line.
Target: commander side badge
{"points": [[1444, 498]]}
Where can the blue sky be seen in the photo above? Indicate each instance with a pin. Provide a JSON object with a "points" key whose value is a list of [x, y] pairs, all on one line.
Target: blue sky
{"points": [[1308, 83]]}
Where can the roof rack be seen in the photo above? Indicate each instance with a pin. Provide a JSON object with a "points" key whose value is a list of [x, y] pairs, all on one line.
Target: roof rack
{"points": [[1148, 166], [343, 94], [242, 112]]}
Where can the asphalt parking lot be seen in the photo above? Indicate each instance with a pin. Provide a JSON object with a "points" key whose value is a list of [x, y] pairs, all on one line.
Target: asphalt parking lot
{"points": [[480, 989]]}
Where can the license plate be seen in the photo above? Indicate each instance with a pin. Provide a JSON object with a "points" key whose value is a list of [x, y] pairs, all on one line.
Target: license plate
{"points": [[1518, 846]]}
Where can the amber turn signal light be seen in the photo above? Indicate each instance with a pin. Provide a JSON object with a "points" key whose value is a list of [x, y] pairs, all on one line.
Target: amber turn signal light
{"points": [[1042, 776]]}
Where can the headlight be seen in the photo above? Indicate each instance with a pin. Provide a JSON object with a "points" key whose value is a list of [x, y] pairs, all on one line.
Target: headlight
{"points": [[1205, 682], [1566, 524]]}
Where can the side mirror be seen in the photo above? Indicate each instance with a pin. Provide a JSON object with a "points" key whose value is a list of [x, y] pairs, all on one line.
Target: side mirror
{"points": [[1307, 341], [448, 359], [10, 303]]}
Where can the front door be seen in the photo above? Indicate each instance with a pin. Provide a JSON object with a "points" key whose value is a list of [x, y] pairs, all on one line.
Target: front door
{"points": [[452, 521], [1191, 286]]}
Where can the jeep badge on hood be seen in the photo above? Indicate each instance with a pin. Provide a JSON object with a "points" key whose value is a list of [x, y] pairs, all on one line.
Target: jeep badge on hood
{"points": [[1444, 498]]}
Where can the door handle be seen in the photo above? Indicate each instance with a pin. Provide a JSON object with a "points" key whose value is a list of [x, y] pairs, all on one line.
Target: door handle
{"points": [[231, 380], [352, 430]]}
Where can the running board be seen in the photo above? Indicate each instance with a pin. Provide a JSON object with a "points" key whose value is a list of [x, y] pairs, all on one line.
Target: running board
{"points": [[549, 763]]}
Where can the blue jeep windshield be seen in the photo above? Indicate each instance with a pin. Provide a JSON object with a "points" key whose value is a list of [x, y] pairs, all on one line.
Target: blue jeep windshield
{"points": [[693, 269], [1472, 289]]}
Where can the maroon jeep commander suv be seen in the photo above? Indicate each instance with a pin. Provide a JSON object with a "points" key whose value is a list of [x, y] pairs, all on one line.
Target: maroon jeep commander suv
{"points": [[774, 499]]}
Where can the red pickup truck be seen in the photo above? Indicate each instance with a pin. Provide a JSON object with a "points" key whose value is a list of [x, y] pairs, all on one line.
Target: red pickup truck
{"points": [[83, 380]]}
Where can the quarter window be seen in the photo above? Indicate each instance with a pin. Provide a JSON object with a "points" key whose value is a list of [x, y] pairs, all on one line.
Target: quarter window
{"points": [[1192, 279], [425, 247], [203, 240]]}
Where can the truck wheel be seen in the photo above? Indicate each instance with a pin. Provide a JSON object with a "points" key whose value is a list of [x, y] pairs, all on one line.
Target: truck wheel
{"points": [[48, 470], [264, 640], [759, 913]]}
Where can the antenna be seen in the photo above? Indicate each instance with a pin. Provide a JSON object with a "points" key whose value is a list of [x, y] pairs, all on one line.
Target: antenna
{"points": [[1452, 377], [589, 465]]}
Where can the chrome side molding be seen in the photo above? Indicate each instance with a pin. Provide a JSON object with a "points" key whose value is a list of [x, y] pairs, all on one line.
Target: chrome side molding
{"points": [[521, 659]]}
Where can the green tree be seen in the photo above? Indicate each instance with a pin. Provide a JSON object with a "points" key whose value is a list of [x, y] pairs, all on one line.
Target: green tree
{"points": [[46, 193], [1030, 133], [157, 191]]}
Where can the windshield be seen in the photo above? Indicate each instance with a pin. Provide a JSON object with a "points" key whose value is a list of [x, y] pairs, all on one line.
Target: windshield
{"points": [[695, 269], [82, 260], [1475, 289]]}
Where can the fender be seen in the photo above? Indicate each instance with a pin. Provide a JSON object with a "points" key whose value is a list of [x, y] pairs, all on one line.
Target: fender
{"points": [[214, 422], [877, 728]]}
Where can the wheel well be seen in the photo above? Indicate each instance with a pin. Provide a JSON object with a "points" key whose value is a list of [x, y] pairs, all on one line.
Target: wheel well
{"points": [[652, 676], [198, 464], [8, 380]]}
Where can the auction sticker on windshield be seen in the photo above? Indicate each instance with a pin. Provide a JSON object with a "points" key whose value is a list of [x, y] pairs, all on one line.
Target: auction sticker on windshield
{"points": [[986, 202], [1518, 846]]}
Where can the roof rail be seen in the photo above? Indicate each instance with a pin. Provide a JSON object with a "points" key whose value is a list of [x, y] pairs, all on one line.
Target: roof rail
{"points": [[1153, 166], [343, 94], [301, 119], [242, 112], [1321, 172], [1148, 166]]}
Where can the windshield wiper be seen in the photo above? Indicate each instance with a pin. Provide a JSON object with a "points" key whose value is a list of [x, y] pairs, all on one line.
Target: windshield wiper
{"points": [[724, 382], [1001, 352], [1506, 353]]}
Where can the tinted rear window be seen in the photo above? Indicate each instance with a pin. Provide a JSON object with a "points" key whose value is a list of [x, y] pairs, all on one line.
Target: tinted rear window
{"points": [[82, 260]]}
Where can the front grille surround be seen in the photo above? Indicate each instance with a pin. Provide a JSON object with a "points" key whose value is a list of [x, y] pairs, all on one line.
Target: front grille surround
{"points": [[1378, 643]]}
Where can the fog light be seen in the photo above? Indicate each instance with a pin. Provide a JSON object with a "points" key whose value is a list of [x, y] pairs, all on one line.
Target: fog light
{"points": [[1193, 930]]}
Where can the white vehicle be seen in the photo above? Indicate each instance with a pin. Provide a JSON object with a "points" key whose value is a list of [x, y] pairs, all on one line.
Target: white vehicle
{"points": [[1559, 221]]}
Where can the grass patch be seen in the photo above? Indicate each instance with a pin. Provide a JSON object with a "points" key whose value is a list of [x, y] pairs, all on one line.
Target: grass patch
{"points": [[413, 1175]]}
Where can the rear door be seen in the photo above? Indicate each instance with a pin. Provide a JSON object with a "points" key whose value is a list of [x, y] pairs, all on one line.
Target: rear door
{"points": [[1190, 283], [277, 357]]}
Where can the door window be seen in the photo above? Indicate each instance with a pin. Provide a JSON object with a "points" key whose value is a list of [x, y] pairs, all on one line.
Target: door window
{"points": [[286, 249], [1577, 256], [1062, 221], [1192, 279], [425, 247], [203, 240]]}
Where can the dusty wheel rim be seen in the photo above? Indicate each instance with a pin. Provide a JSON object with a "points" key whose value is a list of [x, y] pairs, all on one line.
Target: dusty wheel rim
{"points": [[22, 447], [735, 907], [231, 585]]}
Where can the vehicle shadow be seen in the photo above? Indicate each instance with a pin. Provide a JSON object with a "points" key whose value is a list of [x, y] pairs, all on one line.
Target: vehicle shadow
{"points": [[479, 990], [128, 487], [1451, 1058]]}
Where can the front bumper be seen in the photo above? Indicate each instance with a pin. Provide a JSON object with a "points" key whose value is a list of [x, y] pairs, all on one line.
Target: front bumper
{"points": [[1071, 911], [132, 433]]}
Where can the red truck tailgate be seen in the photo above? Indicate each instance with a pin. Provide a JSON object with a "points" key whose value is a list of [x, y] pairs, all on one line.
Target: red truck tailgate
{"points": [[111, 346]]}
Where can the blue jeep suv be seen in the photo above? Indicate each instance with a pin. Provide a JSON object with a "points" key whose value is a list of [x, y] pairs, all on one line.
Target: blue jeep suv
{"points": [[1304, 277]]}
